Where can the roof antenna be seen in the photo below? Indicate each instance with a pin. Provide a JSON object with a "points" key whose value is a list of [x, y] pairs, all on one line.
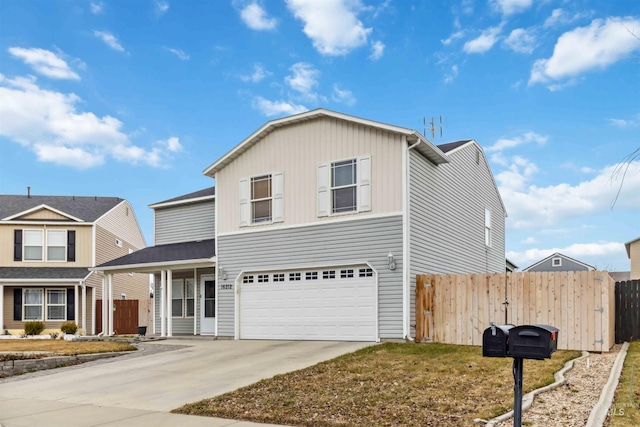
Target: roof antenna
{"points": [[435, 127]]}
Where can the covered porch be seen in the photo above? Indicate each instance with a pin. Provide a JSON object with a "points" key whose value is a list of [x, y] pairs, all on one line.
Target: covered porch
{"points": [[184, 290]]}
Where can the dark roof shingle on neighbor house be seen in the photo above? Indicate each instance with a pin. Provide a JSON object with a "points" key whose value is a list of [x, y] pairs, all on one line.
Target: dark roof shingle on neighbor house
{"points": [[445, 148], [85, 208], [207, 192], [45, 273], [198, 250]]}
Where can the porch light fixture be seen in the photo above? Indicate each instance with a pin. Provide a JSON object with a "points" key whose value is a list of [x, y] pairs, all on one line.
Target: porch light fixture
{"points": [[392, 262]]}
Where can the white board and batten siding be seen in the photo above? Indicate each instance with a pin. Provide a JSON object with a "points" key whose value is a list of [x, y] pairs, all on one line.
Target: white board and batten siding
{"points": [[185, 223], [447, 217], [319, 246], [294, 154]]}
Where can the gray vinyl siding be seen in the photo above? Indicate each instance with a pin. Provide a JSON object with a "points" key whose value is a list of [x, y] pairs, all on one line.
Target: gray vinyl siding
{"points": [[567, 265], [337, 243], [446, 217], [185, 223]]}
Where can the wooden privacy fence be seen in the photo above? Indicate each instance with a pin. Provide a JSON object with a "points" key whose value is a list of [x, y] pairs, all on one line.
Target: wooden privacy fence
{"points": [[628, 311], [125, 316], [457, 308]]}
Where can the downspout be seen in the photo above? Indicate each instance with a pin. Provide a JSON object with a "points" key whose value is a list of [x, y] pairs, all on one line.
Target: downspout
{"points": [[406, 219]]}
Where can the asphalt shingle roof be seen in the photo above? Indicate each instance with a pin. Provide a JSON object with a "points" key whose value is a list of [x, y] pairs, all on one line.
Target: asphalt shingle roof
{"points": [[43, 273], [201, 249], [445, 148], [211, 191], [85, 208]]}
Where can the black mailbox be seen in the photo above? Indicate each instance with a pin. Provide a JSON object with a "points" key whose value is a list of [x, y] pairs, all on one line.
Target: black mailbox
{"points": [[495, 341], [533, 341]]}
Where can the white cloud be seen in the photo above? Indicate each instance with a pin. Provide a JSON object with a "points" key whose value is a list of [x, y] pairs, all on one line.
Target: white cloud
{"points": [[509, 7], [451, 75], [48, 123], [530, 240], [377, 50], [273, 108], [596, 46], [332, 25], [625, 123], [343, 95], [453, 37], [484, 41], [520, 40], [161, 7], [561, 17], [109, 39], [505, 143], [533, 207], [256, 18], [179, 53], [304, 80], [258, 74], [96, 7], [45, 62]]}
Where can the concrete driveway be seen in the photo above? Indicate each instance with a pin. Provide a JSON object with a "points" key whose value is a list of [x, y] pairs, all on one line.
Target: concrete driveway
{"points": [[140, 389]]}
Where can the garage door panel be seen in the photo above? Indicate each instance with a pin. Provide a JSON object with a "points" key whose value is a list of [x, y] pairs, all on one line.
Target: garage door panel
{"points": [[322, 309]]}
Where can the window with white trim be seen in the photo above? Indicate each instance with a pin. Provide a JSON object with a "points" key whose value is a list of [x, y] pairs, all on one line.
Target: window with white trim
{"points": [[56, 304], [487, 227], [261, 199], [33, 243], [56, 245], [343, 186], [33, 304], [183, 294]]}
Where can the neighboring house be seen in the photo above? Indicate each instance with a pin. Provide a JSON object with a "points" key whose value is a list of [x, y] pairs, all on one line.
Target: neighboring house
{"points": [[510, 266], [47, 244], [633, 252], [559, 262], [322, 221]]}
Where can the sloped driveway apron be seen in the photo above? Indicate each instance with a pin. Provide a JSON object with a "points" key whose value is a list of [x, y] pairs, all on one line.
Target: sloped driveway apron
{"points": [[162, 381]]}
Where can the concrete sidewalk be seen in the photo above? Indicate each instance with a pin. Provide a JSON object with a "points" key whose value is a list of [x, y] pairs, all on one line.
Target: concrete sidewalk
{"points": [[140, 389], [42, 413]]}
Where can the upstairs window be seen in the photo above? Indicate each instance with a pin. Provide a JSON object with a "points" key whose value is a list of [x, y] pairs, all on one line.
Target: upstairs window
{"points": [[33, 242], [487, 227], [56, 245], [343, 186], [261, 199]]}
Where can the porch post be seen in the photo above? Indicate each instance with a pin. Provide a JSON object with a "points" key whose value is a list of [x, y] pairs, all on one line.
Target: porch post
{"points": [[169, 301], [196, 286], [84, 308], [163, 303], [93, 311], [110, 307], [104, 306], [76, 306], [1, 308]]}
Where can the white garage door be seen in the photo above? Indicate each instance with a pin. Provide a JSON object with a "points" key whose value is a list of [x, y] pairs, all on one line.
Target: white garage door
{"points": [[329, 304]]}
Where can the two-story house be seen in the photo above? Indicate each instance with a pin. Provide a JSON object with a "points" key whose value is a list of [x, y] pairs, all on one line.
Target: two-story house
{"points": [[48, 245], [633, 252], [322, 221]]}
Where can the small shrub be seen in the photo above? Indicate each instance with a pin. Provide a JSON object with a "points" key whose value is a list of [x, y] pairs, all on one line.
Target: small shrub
{"points": [[69, 328], [33, 328]]}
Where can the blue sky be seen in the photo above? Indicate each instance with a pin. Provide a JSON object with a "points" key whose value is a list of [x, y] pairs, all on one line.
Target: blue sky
{"points": [[135, 98]]}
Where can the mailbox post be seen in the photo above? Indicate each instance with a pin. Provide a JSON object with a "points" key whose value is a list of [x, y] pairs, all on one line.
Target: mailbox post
{"points": [[520, 342]]}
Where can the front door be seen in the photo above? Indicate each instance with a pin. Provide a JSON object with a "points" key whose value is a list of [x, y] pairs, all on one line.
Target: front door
{"points": [[208, 305]]}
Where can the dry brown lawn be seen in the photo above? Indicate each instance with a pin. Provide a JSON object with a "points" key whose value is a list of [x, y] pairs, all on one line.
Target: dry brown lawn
{"points": [[386, 385], [64, 348], [625, 410]]}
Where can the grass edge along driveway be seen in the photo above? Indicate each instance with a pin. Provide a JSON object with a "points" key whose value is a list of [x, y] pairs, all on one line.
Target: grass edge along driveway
{"points": [[625, 409], [395, 384]]}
